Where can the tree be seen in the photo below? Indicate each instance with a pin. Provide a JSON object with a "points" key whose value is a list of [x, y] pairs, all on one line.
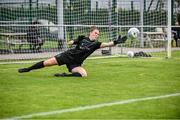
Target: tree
{"points": [[178, 1]]}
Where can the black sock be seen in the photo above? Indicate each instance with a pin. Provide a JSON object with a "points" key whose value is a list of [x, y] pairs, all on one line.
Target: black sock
{"points": [[68, 75], [76, 74], [37, 66]]}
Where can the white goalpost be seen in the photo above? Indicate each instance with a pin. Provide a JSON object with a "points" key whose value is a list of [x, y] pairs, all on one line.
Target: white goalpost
{"points": [[38, 29]]}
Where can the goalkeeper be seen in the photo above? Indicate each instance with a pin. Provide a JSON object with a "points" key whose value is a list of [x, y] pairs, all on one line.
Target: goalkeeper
{"points": [[73, 58]]}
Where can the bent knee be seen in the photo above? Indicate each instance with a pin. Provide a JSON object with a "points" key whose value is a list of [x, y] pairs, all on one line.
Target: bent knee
{"points": [[83, 74], [80, 70]]}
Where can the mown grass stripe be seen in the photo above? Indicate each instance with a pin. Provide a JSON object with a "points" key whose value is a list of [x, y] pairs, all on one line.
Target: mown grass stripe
{"points": [[82, 108]]}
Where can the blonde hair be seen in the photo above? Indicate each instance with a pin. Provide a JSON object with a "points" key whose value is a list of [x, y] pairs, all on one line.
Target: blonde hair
{"points": [[92, 29]]}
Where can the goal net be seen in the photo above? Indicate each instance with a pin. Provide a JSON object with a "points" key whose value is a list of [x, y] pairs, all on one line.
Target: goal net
{"points": [[38, 29]]}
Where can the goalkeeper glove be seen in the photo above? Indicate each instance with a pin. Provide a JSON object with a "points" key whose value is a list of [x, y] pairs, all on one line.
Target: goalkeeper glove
{"points": [[120, 40]]}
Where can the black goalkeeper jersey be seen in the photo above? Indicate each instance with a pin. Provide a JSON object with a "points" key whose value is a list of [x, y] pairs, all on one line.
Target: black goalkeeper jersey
{"points": [[84, 48]]}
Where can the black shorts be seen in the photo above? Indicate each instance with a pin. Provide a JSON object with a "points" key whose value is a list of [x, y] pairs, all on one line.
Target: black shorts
{"points": [[62, 60]]}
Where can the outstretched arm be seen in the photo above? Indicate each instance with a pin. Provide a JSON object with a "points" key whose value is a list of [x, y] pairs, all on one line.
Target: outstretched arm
{"points": [[108, 44], [115, 42]]}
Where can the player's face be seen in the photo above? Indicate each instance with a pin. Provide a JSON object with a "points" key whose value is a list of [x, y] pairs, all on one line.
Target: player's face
{"points": [[94, 34]]}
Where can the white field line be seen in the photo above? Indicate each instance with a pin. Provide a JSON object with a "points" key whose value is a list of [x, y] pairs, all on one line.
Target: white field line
{"points": [[32, 61], [89, 107], [19, 62], [90, 58]]}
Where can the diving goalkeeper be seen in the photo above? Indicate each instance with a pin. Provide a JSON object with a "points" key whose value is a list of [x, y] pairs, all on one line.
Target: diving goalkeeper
{"points": [[73, 58]]}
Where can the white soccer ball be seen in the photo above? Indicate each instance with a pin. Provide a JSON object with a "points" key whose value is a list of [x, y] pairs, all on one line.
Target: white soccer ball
{"points": [[133, 33], [130, 54]]}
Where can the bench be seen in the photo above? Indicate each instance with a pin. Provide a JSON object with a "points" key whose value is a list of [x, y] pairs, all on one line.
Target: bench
{"points": [[152, 37], [12, 39]]}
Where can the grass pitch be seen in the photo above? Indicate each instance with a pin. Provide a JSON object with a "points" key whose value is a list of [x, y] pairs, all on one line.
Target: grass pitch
{"points": [[109, 80]]}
